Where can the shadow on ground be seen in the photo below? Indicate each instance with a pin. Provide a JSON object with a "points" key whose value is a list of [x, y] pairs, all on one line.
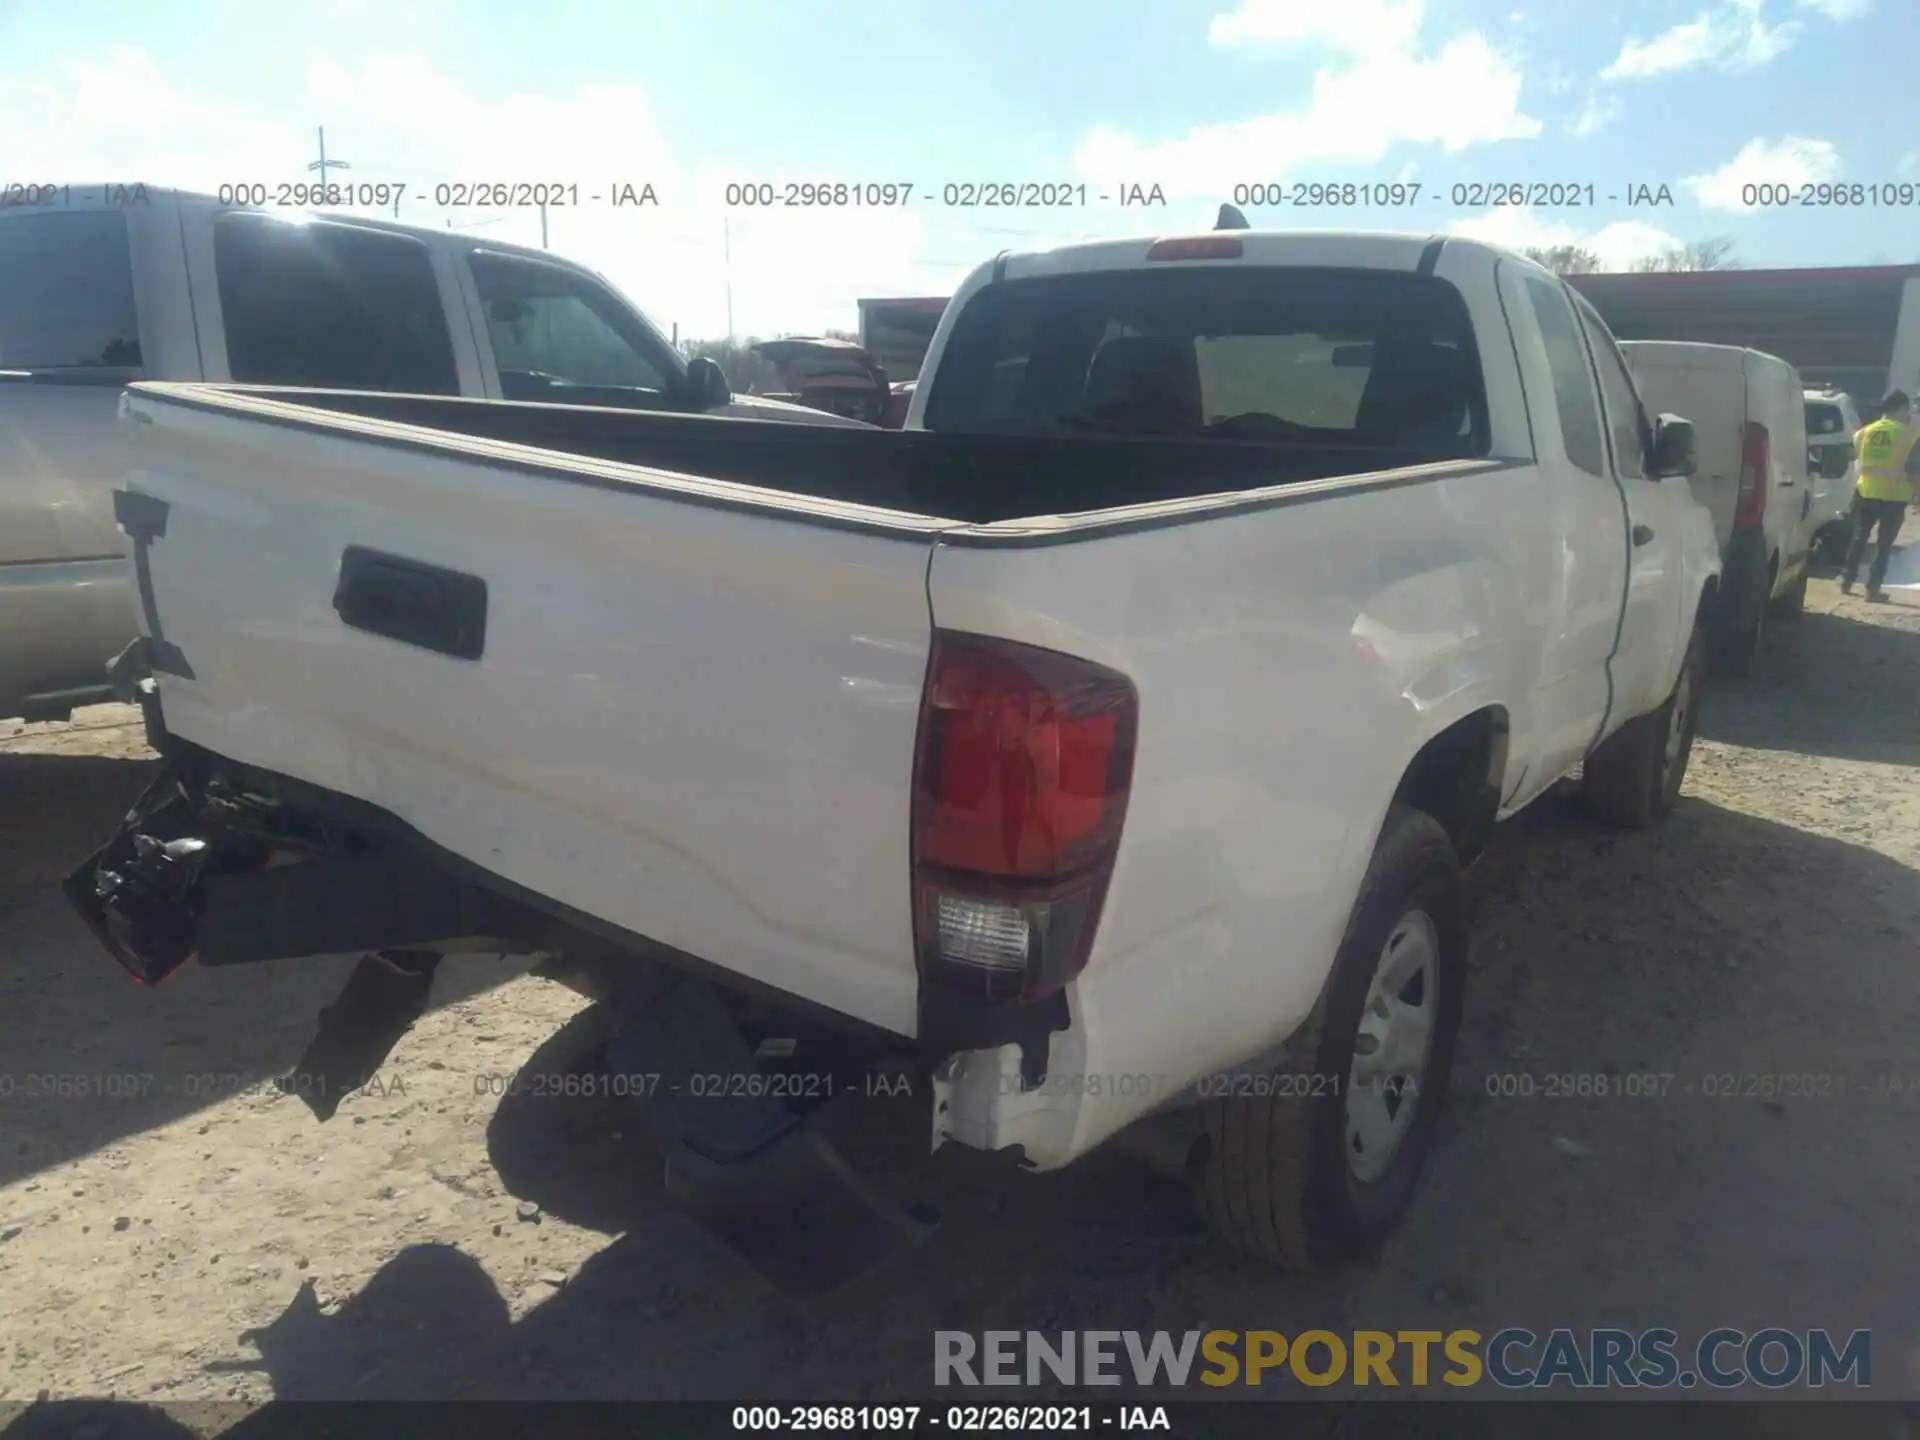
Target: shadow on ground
{"points": [[1755, 979], [127, 1058], [55, 810], [1827, 684], [1597, 954]]}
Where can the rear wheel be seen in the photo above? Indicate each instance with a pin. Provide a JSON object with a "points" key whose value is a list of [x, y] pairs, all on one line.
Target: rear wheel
{"points": [[1633, 779], [1313, 1164]]}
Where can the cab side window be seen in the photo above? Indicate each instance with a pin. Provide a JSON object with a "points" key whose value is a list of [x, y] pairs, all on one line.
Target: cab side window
{"points": [[332, 306], [554, 332], [1572, 375], [1627, 428]]}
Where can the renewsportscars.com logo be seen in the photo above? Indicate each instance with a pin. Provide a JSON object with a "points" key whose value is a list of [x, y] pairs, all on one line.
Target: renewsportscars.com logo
{"points": [[1513, 1359]]}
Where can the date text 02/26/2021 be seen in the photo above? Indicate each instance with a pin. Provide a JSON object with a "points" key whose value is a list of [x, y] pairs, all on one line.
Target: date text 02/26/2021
{"points": [[949, 1419]]}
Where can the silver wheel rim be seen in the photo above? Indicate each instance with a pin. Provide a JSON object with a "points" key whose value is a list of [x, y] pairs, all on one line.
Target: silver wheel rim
{"points": [[1390, 1053], [1679, 712]]}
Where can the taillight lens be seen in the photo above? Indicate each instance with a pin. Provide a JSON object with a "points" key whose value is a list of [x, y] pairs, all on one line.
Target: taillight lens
{"points": [[1756, 461], [1025, 759]]}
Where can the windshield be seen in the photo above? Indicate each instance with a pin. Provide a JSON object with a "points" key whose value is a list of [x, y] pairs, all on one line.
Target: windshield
{"points": [[1338, 357]]}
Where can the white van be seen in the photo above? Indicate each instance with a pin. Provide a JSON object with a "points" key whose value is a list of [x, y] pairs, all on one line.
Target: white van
{"points": [[1834, 469], [1749, 416]]}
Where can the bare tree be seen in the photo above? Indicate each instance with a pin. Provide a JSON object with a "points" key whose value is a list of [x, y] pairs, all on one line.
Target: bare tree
{"points": [[1714, 254], [1565, 259]]}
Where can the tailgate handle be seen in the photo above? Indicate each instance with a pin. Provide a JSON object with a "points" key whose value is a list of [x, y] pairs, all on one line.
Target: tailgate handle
{"points": [[410, 601]]}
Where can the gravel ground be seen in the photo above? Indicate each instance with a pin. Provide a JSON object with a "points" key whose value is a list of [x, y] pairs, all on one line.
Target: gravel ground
{"points": [[179, 1233]]}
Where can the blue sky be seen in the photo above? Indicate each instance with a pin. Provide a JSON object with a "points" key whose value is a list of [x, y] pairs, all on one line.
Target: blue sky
{"points": [[1702, 96]]}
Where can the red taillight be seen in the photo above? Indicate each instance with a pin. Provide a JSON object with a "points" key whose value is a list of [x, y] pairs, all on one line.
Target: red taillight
{"points": [[1025, 759], [1197, 247], [1756, 461]]}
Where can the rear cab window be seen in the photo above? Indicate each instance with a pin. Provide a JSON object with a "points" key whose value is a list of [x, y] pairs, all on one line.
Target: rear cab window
{"points": [[1349, 357], [66, 296], [331, 306], [560, 337]]}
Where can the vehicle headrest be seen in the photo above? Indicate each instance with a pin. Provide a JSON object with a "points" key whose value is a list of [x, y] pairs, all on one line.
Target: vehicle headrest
{"points": [[1157, 373], [1415, 384]]}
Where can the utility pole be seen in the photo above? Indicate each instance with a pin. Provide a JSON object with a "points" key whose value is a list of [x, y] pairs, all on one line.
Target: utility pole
{"points": [[543, 224], [322, 165], [726, 254]]}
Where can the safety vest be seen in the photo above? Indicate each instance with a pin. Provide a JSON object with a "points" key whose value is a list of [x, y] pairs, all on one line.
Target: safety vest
{"points": [[1883, 447]]}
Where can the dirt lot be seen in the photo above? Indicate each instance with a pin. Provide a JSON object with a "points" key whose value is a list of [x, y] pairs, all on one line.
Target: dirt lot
{"points": [[188, 1235]]}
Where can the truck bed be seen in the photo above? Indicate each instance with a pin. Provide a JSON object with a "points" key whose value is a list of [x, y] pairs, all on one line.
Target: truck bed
{"points": [[968, 479]]}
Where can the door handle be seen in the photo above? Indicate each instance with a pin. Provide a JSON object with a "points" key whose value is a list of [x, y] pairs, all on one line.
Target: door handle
{"points": [[1642, 534], [412, 602]]}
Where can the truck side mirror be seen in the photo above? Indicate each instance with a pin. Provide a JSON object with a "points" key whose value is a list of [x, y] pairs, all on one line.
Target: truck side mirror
{"points": [[1675, 451], [707, 384]]}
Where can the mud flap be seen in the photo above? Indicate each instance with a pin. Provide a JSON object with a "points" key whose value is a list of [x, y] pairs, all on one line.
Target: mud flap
{"points": [[738, 1160], [380, 1002]]}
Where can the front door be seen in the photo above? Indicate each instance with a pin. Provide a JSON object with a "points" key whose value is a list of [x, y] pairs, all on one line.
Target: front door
{"points": [[1650, 621], [1572, 584]]}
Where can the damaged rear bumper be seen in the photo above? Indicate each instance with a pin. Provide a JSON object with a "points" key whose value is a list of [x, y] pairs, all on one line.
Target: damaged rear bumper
{"points": [[201, 868]]}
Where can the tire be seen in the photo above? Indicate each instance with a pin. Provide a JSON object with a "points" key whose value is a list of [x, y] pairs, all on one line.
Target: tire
{"points": [[1791, 601], [1633, 779], [1274, 1177]]}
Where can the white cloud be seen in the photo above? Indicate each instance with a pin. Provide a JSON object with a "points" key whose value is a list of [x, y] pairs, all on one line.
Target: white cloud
{"points": [[1793, 161], [401, 119], [1520, 227], [1599, 112], [1465, 94], [1841, 10], [1353, 27], [1731, 36]]}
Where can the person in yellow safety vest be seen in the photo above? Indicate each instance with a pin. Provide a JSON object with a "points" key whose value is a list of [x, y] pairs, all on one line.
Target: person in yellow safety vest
{"points": [[1888, 458]]}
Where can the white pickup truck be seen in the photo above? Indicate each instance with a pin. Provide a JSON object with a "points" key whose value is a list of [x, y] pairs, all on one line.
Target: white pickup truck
{"points": [[1108, 743], [101, 285]]}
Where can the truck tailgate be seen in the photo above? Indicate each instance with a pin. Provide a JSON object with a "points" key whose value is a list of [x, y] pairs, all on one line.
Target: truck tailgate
{"points": [[693, 708]]}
